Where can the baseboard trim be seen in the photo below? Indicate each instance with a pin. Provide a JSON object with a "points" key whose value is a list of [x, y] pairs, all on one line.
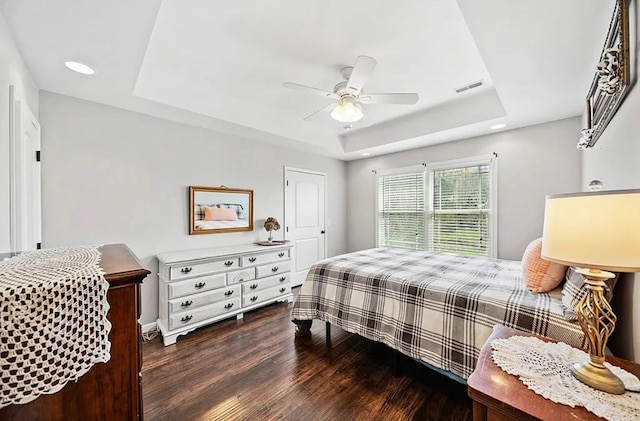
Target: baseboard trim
{"points": [[148, 327]]}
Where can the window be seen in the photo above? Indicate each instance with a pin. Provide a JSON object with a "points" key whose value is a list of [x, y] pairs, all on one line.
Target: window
{"points": [[449, 208], [461, 207], [401, 208]]}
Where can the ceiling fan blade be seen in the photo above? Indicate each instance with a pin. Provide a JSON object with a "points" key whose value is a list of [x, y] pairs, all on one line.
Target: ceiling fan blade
{"points": [[311, 90], [321, 111], [408, 98], [361, 71]]}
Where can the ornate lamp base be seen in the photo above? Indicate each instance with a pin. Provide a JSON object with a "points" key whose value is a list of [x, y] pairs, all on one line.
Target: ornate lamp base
{"points": [[600, 378], [598, 321]]}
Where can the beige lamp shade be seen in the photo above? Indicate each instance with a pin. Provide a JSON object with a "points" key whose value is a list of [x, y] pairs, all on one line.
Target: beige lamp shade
{"points": [[599, 230]]}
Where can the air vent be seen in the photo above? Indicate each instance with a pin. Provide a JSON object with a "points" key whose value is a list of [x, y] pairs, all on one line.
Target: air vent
{"points": [[469, 86]]}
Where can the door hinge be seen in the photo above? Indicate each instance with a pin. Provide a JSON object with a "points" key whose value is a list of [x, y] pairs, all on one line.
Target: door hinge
{"points": [[287, 229], [38, 156], [38, 246], [287, 183]]}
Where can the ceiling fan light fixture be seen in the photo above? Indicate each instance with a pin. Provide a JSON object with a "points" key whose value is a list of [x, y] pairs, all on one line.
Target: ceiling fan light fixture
{"points": [[347, 111]]}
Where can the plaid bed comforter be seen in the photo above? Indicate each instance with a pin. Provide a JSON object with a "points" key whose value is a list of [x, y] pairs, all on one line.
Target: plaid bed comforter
{"points": [[433, 307]]}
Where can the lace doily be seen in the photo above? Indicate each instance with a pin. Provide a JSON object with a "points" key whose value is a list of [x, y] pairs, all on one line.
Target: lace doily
{"points": [[53, 308], [544, 367]]}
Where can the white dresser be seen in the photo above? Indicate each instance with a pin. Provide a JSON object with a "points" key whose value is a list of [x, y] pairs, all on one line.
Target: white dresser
{"points": [[198, 287]]}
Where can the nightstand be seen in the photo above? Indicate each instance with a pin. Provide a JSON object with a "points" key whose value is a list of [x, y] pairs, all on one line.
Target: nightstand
{"points": [[499, 396]]}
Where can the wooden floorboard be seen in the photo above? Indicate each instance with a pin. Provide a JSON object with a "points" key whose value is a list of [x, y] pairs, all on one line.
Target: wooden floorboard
{"points": [[255, 369]]}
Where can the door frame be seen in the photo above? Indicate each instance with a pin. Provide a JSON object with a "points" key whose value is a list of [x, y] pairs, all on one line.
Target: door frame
{"points": [[285, 197], [19, 160]]}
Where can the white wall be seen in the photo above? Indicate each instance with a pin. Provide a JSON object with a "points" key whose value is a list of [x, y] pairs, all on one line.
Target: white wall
{"points": [[13, 71], [115, 176], [615, 160], [532, 162]]}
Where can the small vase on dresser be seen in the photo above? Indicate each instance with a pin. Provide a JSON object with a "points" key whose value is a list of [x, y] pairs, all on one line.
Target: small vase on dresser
{"points": [[199, 287]]}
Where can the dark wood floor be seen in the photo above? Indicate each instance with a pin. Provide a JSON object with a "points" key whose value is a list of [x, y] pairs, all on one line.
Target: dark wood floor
{"points": [[255, 370]]}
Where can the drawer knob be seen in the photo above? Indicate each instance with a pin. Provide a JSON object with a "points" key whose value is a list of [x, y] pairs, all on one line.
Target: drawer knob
{"points": [[186, 303], [200, 285], [252, 259], [186, 270], [185, 319], [274, 269], [253, 298], [228, 263], [254, 286], [228, 292], [283, 289], [284, 278], [281, 254], [228, 306]]}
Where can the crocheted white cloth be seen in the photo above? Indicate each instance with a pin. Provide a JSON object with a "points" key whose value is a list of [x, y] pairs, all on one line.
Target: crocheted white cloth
{"points": [[544, 367], [53, 309]]}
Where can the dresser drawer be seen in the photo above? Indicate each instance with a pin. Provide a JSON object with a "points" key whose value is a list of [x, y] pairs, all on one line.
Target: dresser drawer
{"points": [[240, 276], [265, 283], [195, 285], [189, 270], [199, 300], [270, 293], [272, 269], [212, 310], [262, 258]]}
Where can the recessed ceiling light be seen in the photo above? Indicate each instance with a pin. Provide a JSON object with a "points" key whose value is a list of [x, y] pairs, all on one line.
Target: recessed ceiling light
{"points": [[79, 67], [498, 126], [366, 153]]}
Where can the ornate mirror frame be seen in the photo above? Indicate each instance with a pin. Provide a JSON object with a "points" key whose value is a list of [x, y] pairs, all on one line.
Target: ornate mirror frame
{"points": [[215, 210], [612, 78]]}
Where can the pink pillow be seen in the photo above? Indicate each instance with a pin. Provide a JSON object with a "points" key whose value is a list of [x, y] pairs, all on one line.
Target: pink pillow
{"points": [[540, 275], [219, 214]]}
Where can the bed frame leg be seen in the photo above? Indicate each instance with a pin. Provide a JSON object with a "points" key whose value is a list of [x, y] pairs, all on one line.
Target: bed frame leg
{"points": [[395, 367], [303, 328], [328, 334]]}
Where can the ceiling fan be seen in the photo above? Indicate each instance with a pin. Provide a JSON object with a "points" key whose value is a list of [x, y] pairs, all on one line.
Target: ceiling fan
{"points": [[348, 94]]}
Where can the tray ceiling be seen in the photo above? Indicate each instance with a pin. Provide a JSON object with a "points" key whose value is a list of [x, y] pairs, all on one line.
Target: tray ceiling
{"points": [[221, 65]]}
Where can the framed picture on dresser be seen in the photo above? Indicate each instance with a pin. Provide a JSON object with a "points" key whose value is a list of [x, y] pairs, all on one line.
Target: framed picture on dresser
{"points": [[214, 210]]}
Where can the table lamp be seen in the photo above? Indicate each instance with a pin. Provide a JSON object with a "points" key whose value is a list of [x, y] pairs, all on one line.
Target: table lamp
{"points": [[595, 232]]}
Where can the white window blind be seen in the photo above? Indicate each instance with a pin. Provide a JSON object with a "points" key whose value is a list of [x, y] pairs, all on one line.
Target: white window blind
{"points": [[460, 214], [401, 209]]}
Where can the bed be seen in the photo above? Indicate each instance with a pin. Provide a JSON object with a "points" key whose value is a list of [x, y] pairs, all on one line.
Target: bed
{"points": [[435, 308]]}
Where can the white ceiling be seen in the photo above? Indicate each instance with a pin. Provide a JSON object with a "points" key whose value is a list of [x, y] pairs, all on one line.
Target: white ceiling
{"points": [[221, 65]]}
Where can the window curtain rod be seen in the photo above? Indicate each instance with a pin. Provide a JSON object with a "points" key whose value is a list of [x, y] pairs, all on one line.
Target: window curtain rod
{"points": [[424, 164]]}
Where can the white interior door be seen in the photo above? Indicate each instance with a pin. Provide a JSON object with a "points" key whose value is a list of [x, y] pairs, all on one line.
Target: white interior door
{"points": [[304, 217], [25, 194]]}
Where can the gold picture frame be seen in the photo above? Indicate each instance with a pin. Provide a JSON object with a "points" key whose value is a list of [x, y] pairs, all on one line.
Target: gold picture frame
{"points": [[612, 79], [215, 210]]}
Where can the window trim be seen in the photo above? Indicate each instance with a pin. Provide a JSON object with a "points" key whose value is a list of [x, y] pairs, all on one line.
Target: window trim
{"points": [[492, 160], [401, 170]]}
